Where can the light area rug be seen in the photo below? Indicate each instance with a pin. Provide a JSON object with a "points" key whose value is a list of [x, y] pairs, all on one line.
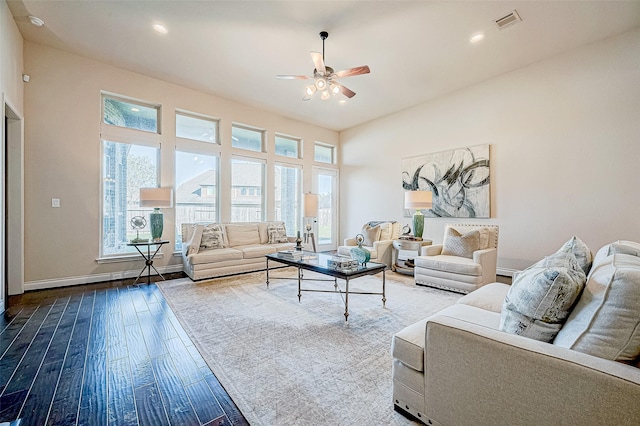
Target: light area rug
{"points": [[285, 362]]}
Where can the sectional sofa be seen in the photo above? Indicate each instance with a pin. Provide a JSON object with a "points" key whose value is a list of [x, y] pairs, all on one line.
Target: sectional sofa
{"points": [[465, 366]]}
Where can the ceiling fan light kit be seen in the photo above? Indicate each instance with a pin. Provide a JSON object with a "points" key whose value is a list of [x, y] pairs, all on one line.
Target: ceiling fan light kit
{"points": [[325, 79]]}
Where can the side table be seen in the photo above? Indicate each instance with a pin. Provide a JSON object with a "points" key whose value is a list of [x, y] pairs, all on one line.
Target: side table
{"points": [[399, 259], [148, 257]]}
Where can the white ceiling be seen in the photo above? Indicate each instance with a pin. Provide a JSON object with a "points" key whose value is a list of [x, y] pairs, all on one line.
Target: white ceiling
{"points": [[417, 50]]}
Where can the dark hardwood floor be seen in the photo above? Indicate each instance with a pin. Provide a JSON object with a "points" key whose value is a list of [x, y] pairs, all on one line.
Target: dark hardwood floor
{"points": [[104, 354]]}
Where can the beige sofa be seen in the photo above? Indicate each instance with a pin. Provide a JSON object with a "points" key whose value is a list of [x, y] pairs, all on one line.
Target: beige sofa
{"points": [[381, 248], [212, 250], [458, 368]]}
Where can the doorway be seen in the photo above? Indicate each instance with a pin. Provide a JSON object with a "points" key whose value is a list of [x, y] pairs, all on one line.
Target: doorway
{"points": [[11, 205]]}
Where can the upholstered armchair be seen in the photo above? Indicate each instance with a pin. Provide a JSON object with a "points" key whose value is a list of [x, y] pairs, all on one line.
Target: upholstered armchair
{"points": [[379, 238], [465, 261]]}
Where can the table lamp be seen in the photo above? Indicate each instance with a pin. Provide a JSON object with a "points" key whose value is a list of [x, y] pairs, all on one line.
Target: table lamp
{"points": [[156, 198], [310, 212], [418, 200]]}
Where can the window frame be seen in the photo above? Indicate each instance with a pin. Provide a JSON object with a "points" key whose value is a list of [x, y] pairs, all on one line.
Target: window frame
{"points": [[263, 137], [108, 95], [334, 159], [298, 142]]}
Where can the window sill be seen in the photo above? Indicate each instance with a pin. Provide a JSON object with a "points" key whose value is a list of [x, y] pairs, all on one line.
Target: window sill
{"points": [[124, 258]]}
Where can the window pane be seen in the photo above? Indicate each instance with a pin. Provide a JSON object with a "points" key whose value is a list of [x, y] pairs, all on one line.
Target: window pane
{"points": [[199, 129], [247, 189], [130, 115], [287, 197], [126, 169], [287, 147], [323, 154], [325, 208], [246, 139], [196, 190]]}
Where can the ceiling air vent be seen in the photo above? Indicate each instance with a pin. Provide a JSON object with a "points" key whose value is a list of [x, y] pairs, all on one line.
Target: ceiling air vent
{"points": [[508, 20]]}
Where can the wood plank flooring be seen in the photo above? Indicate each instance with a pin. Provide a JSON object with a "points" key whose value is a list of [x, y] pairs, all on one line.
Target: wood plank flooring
{"points": [[105, 354]]}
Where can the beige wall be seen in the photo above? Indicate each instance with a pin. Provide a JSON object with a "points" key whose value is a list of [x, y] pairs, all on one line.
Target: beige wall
{"points": [[62, 107], [565, 149], [10, 59]]}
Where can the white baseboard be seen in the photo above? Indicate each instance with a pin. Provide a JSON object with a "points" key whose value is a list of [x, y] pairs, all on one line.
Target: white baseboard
{"points": [[94, 278]]}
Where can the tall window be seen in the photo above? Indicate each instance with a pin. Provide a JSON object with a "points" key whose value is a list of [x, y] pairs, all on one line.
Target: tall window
{"points": [[324, 153], [247, 190], [196, 190], [126, 167], [247, 138], [287, 197], [197, 171], [287, 147]]}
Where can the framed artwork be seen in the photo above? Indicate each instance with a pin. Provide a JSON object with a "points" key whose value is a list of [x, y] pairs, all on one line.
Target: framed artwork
{"points": [[458, 179]]}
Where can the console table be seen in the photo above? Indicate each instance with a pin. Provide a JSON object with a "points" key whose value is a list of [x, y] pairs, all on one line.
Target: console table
{"points": [[398, 263], [148, 257]]}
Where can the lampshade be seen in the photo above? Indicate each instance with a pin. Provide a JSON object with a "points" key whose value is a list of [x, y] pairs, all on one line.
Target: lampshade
{"points": [[156, 197], [418, 200], [310, 205]]}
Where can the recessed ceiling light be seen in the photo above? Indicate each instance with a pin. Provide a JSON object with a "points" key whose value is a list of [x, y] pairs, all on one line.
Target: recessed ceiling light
{"points": [[36, 21], [160, 28], [476, 38]]}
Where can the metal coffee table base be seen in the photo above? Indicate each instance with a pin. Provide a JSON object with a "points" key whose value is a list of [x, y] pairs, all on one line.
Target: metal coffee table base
{"points": [[336, 288]]}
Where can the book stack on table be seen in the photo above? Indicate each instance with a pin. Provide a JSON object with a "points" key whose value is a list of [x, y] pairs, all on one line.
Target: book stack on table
{"points": [[290, 254], [342, 263]]}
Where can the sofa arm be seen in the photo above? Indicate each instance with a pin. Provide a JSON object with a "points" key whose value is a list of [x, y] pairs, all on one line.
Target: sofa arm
{"points": [[488, 258], [476, 372], [433, 250]]}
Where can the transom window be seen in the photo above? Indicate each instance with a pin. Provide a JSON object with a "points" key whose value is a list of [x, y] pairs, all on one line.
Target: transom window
{"points": [[287, 147], [247, 138], [202, 129], [324, 153], [130, 114]]}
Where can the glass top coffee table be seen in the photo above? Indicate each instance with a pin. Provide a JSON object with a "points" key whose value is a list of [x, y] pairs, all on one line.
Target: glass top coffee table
{"points": [[321, 263]]}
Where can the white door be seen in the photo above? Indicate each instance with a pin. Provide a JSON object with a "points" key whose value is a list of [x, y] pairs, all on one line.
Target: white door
{"points": [[325, 184]]}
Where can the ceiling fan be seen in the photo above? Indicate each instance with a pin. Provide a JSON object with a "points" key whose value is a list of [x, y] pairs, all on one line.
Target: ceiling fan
{"points": [[325, 78]]}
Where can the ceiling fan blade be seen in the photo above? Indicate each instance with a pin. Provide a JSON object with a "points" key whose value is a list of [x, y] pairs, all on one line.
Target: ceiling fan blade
{"points": [[292, 77], [346, 91], [318, 62], [353, 71]]}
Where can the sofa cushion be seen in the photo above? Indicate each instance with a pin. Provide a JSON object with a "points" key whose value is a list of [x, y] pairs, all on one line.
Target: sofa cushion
{"points": [[489, 297], [407, 345], [606, 320], [371, 234], [454, 264], [242, 234], [277, 233], [541, 297], [386, 231], [217, 255], [253, 251], [212, 237], [463, 245]]}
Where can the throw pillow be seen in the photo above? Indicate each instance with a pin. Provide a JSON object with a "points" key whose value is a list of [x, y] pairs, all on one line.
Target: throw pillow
{"points": [[212, 237], [385, 231], [371, 234], [541, 297], [605, 322], [462, 245], [277, 233], [580, 251]]}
